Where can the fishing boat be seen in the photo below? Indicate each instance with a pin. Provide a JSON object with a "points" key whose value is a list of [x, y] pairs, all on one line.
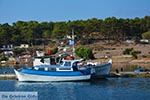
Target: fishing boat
{"points": [[97, 69], [101, 70], [67, 70]]}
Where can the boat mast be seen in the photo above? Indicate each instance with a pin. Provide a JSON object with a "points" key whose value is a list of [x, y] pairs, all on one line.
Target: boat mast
{"points": [[73, 45]]}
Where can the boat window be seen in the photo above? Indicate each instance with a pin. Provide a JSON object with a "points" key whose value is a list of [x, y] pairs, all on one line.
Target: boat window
{"points": [[75, 66], [51, 69], [64, 68], [67, 64], [61, 62], [42, 69], [42, 60]]}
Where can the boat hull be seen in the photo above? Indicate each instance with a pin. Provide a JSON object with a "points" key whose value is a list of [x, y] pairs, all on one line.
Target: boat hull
{"points": [[33, 77], [102, 70]]}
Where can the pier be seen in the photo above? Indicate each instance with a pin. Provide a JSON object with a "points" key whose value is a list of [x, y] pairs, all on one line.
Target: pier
{"points": [[7, 76], [130, 74]]}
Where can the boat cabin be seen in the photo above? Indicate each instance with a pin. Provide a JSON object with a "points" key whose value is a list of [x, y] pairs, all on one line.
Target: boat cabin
{"points": [[65, 65], [45, 60]]}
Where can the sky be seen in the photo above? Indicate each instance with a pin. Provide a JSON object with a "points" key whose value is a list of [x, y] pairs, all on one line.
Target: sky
{"points": [[64, 10]]}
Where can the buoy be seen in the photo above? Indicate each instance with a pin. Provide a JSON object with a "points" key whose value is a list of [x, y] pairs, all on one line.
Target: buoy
{"points": [[69, 58]]}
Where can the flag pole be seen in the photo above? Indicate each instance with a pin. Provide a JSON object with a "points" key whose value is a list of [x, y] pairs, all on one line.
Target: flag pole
{"points": [[73, 46]]}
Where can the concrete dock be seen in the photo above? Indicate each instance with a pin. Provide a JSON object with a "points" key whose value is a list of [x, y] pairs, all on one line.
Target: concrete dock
{"points": [[130, 74], [7, 76]]}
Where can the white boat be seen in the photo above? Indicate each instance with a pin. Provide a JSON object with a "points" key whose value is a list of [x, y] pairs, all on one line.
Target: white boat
{"points": [[98, 70], [67, 71], [101, 70]]}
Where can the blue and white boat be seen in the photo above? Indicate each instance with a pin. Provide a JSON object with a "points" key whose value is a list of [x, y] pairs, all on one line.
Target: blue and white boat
{"points": [[98, 70], [66, 71], [138, 70]]}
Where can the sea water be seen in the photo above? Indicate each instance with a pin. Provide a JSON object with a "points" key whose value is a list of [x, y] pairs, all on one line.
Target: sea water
{"points": [[99, 89]]}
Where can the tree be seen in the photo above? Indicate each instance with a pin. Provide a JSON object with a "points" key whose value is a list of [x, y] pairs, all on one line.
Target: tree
{"points": [[146, 35], [5, 33], [110, 28], [59, 30], [46, 29]]}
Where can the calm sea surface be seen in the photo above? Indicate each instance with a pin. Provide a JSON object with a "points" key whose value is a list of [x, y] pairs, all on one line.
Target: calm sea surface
{"points": [[108, 89], [8, 70]]}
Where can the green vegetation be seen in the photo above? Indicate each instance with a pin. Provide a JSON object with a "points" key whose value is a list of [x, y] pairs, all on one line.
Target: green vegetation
{"points": [[134, 54], [127, 51], [55, 50], [146, 35], [2, 57], [131, 51], [33, 32], [84, 53]]}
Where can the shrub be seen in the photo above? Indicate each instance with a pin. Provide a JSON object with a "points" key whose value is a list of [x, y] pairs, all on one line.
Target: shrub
{"points": [[55, 50], [79, 52], [134, 54], [127, 51], [131, 51], [84, 53]]}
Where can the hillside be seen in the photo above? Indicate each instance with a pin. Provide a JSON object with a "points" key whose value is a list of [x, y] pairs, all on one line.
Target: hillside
{"points": [[115, 51]]}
